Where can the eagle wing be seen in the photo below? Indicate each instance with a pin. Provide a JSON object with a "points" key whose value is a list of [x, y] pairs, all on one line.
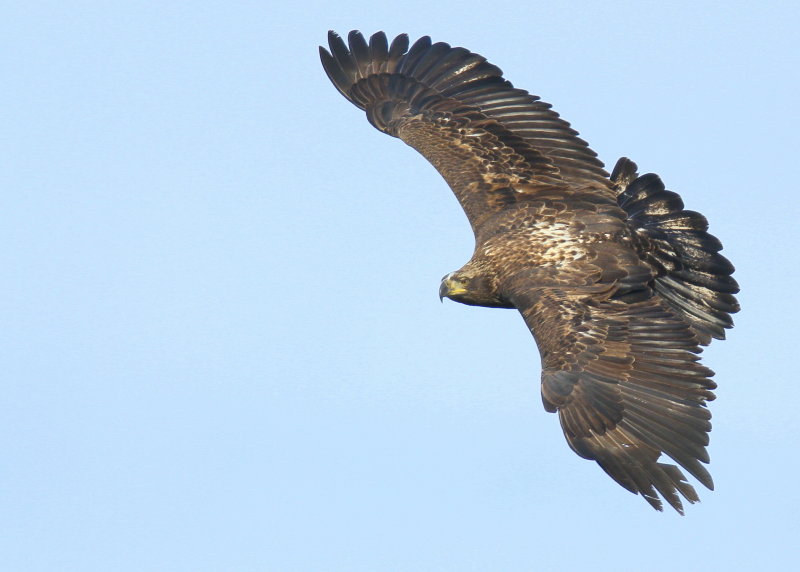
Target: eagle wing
{"points": [[626, 382], [494, 144]]}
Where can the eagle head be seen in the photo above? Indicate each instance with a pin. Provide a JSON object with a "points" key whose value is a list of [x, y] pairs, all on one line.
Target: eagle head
{"points": [[472, 288]]}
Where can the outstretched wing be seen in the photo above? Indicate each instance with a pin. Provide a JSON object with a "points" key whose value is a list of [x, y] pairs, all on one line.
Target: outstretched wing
{"points": [[627, 385], [494, 144]]}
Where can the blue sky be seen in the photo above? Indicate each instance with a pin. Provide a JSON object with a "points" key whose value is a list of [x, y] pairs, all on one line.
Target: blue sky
{"points": [[222, 343]]}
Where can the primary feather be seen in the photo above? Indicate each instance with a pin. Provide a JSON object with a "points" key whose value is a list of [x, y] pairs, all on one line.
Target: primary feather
{"points": [[619, 284]]}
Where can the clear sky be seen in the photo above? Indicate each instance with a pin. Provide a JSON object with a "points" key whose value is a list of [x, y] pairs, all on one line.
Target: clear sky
{"points": [[222, 343]]}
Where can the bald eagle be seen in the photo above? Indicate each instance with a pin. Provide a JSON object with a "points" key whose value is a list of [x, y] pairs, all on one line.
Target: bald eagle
{"points": [[618, 283]]}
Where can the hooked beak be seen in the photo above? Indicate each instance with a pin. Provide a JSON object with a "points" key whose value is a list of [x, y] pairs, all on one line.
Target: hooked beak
{"points": [[449, 287]]}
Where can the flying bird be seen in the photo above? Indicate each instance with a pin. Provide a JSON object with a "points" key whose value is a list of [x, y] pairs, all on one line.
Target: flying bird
{"points": [[618, 283]]}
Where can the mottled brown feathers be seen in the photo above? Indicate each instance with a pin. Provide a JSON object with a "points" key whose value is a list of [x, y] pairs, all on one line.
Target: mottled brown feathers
{"points": [[619, 284]]}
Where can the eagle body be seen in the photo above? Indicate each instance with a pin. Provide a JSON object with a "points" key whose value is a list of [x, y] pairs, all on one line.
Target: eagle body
{"points": [[618, 283]]}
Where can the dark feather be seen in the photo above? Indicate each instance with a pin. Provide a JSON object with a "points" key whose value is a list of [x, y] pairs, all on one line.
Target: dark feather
{"points": [[694, 278]]}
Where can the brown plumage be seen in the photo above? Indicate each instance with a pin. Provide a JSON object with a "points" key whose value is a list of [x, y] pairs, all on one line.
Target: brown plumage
{"points": [[619, 284]]}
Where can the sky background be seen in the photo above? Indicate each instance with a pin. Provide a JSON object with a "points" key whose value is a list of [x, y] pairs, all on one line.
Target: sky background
{"points": [[221, 339]]}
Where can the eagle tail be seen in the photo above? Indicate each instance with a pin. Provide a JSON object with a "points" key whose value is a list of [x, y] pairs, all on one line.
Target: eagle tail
{"points": [[693, 277]]}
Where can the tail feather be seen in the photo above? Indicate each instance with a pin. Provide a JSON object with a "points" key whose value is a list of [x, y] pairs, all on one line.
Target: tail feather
{"points": [[693, 277]]}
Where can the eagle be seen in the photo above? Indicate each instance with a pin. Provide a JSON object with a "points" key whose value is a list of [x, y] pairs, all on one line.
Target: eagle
{"points": [[619, 284]]}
